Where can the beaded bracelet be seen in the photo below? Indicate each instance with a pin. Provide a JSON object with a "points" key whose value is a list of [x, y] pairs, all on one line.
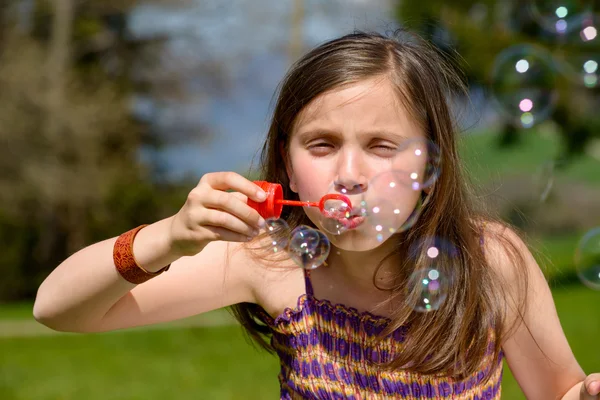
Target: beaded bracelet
{"points": [[125, 261]]}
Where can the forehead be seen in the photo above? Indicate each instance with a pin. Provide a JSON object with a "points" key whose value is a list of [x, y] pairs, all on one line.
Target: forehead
{"points": [[371, 104]]}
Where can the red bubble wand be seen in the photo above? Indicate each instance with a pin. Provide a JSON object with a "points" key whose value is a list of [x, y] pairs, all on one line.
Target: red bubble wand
{"points": [[272, 206]]}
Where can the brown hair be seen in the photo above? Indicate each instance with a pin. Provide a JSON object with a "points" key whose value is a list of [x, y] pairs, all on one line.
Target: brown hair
{"points": [[425, 80]]}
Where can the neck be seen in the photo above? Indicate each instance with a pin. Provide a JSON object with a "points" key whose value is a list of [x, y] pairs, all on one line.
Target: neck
{"points": [[358, 267]]}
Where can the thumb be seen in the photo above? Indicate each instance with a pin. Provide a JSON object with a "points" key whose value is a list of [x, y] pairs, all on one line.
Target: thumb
{"points": [[590, 389]]}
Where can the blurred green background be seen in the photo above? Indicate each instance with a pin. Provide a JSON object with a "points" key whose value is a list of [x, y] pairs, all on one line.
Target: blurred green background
{"points": [[81, 163]]}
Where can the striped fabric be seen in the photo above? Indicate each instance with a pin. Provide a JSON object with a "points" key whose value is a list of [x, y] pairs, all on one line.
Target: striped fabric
{"points": [[329, 351]]}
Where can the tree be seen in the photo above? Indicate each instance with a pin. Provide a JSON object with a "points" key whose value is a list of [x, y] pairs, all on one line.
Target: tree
{"points": [[480, 30], [70, 147]]}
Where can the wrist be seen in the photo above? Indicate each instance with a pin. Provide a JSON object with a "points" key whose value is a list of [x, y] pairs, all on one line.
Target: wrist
{"points": [[152, 247]]}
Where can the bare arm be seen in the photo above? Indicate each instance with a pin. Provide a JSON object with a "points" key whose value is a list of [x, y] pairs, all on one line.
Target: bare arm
{"points": [[86, 294], [537, 351], [82, 289]]}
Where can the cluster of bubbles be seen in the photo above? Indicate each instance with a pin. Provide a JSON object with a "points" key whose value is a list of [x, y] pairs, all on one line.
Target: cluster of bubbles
{"points": [[392, 204], [307, 247], [523, 78], [587, 259], [393, 201]]}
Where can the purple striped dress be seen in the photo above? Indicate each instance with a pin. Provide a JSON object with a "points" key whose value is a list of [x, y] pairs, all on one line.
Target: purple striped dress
{"points": [[330, 351]]}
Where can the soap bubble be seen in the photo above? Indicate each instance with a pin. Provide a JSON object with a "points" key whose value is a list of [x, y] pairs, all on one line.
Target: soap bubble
{"points": [[432, 247], [587, 259], [419, 160], [581, 59], [279, 231], [523, 85], [560, 16], [544, 181], [427, 288], [391, 206], [308, 247], [304, 238], [338, 215], [337, 208], [544, 177]]}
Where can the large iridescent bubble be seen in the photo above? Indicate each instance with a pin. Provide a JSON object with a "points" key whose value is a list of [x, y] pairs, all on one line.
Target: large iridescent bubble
{"points": [[391, 205], [523, 85], [419, 159], [560, 16]]}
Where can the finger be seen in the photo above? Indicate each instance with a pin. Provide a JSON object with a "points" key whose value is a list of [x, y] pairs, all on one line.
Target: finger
{"points": [[218, 218], [235, 181], [592, 384], [219, 233], [588, 391], [233, 204], [240, 196]]}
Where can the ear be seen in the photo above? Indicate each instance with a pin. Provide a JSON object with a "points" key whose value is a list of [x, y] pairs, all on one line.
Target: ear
{"points": [[288, 168]]}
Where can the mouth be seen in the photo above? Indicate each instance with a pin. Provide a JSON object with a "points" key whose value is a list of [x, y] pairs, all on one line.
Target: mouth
{"points": [[352, 222]]}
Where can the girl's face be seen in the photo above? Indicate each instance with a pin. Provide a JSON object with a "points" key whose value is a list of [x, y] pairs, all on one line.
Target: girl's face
{"points": [[343, 142]]}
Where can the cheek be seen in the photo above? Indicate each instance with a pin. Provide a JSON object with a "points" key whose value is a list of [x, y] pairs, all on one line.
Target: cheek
{"points": [[311, 181]]}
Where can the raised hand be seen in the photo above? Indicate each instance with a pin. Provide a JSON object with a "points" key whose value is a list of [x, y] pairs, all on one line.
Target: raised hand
{"points": [[211, 212]]}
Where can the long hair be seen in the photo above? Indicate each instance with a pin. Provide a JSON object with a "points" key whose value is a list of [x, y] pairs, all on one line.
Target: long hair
{"points": [[425, 82]]}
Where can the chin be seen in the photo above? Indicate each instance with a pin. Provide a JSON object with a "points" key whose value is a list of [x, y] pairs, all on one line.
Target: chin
{"points": [[355, 240]]}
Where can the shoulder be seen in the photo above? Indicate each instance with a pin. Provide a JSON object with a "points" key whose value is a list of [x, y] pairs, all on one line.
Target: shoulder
{"points": [[265, 271], [505, 250], [515, 268]]}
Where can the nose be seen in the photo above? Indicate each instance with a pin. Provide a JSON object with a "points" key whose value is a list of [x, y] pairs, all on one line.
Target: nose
{"points": [[350, 178]]}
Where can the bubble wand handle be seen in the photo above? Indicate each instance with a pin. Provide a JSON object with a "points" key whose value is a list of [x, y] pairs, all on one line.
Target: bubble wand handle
{"points": [[297, 203], [272, 206]]}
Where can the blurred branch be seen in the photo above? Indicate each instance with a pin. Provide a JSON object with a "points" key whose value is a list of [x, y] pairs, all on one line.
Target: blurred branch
{"points": [[296, 33]]}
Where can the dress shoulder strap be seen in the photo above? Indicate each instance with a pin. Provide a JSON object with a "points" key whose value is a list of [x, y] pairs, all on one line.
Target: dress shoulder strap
{"points": [[307, 283]]}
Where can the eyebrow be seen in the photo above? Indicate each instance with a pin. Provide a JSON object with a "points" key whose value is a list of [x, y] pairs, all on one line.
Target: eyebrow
{"points": [[316, 133]]}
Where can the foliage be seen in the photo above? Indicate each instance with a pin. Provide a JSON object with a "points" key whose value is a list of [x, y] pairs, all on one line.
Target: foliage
{"points": [[473, 33], [70, 154]]}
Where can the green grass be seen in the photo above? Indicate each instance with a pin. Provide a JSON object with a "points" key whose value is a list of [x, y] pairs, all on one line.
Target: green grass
{"points": [[577, 307], [16, 310], [194, 363], [485, 161], [207, 363]]}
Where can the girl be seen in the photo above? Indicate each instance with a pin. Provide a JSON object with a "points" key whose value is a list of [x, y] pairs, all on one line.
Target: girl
{"points": [[346, 329]]}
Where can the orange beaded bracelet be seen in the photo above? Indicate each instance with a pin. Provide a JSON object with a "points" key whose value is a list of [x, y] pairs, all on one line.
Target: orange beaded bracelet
{"points": [[125, 261]]}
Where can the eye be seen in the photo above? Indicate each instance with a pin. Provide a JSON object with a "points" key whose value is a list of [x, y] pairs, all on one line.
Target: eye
{"points": [[384, 150], [320, 148], [383, 147]]}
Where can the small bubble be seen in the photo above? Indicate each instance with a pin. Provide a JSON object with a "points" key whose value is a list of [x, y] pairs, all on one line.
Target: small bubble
{"points": [[427, 289], [587, 259], [308, 248], [279, 232]]}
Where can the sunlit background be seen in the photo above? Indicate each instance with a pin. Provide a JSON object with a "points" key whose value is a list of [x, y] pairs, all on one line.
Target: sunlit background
{"points": [[111, 111]]}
